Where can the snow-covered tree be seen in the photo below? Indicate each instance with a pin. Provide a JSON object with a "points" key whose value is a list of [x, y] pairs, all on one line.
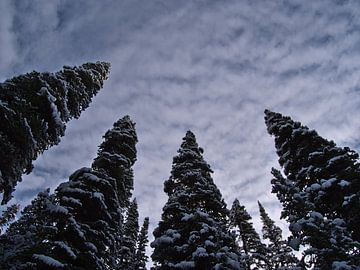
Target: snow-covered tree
{"points": [[319, 192], [80, 225], [193, 232], [141, 257], [24, 237], [34, 109], [116, 157], [8, 215], [249, 240], [129, 240], [279, 254]]}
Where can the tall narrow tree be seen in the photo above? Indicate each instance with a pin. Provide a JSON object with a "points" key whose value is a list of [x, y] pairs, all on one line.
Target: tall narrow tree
{"points": [[141, 257], [80, 225], [130, 234], [320, 192], [249, 240], [193, 232], [279, 254], [34, 109]]}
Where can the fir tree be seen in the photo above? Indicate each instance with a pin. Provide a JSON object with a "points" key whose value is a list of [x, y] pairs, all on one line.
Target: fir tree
{"points": [[84, 214], [130, 234], [141, 257], [279, 254], [250, 243], [34, 109], [24, 236], [319, 193], [8, 216], [193, 232]]}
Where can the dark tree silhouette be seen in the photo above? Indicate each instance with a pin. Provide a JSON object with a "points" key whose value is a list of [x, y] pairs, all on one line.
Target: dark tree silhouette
{"points": [[34, 109]]}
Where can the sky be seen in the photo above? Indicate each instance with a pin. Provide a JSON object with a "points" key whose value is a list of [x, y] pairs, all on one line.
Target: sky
{"points": [[209, 66]]}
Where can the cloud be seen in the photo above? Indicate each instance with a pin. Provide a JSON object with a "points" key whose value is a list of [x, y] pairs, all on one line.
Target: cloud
{"points": [[7, 39], [209, 66]]}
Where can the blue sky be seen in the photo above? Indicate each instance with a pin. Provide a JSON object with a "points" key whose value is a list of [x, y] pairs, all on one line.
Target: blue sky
{"points": [[209, 66]]}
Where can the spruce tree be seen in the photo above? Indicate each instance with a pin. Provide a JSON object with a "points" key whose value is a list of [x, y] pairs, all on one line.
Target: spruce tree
{"points": [[279, 254], [8, 216], [250, 243], [141, 257], [193, 232], [129, 240], [319, 192], [24, 236], [34, 109], [80, 225]]}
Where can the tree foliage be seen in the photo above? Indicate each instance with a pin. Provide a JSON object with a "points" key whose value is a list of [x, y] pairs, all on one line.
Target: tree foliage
{"points": [[78, 227], [141, 257], [34, 109], [8, 215], [193, 232], [319, 192], [249, 240], [129, 240], [279, 254]]}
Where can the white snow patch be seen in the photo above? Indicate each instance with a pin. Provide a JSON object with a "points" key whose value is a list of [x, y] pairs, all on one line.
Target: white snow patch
{"points": [[48, 260]]}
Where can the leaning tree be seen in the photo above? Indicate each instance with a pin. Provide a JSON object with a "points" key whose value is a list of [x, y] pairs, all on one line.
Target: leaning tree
{"points": [[320, 193], [34, 109]]}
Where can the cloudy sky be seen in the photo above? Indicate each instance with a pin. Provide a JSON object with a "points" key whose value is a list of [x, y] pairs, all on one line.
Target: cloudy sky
{"points": [[209, 66]]}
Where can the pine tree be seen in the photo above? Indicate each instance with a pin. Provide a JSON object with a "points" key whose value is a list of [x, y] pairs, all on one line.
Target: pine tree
{"points": [[24, 236], [193, 232], [130, 234], [141, 257], [319, 192], [279, 254], [84, 214], [34, 109], [8, 216], [250, 243]]}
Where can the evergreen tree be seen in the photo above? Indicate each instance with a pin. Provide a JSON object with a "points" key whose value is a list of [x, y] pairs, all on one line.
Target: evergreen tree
{"points": [[130, 234], [8, 216], [34, 109], [279, 254], [80, 225], [141, 257], [24, 236], [250, 243], [320, 193], [193, 232]]}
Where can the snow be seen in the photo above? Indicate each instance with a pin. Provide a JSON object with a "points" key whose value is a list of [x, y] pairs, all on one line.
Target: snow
{"points": [[187, 217], [48, 260], [315, 187], [71, 200], [335, 159], [91, 177], [54, 111], [343, 183], [316, 215], [338, 222], [327, 183], [341, 265], [185, 265], [57, 209], [91, 246], [200, 252], [66, 248]]}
